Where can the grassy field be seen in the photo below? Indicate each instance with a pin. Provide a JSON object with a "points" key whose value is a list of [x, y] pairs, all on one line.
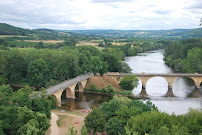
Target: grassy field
{"points": [[3, 36], [96, 42], [46, 41]]}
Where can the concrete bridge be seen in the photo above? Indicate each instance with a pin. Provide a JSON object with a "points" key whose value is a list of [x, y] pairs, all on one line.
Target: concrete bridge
{"points": [[171, 77], [69, 87]]}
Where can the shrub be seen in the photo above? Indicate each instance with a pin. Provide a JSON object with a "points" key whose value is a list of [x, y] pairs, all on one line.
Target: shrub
{"points": [[129, 82]]}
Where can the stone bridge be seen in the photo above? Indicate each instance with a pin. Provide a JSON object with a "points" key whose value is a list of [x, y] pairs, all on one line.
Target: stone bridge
{"points": [[171, 77], [69, 86]]}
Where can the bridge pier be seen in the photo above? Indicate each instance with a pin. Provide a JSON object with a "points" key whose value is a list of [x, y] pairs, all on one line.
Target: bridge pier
{"points": [[197, 81], [58, 97], [82, 84], [70, 91], [59, 102], [170, 80], [169, 93], [144, 80]]}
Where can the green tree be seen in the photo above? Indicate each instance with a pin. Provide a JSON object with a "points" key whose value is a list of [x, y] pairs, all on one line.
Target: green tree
{"points": [[97, 65], [101, 44], [40, 103], [29, 128], [115, 127], [109, 108], [39, 45], [30, 122], [24, 116], [70, 42], [175, 130], [53, 101], [16, 68], [163, 131], [22, 97], [38, 72], [7, 119], [129, 82], [193, 62], [95, 121]]}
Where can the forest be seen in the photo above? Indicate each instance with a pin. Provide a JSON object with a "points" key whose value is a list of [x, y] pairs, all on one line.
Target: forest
{"points": [[25, 112], [42, 64], [185, 55], [123, 116]]}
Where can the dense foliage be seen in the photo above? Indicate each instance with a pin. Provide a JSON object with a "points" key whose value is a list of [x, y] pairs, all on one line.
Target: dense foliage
{"points": [[133, 117], [185, 55], [40, 66], [129, 82], [23, 112], [6, 29]]}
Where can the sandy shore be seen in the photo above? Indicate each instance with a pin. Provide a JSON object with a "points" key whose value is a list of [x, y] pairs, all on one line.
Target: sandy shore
{"points": [[68, 120]]}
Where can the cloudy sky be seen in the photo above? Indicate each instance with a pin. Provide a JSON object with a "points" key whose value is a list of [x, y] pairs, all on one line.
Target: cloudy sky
{"points": [[102, 14]]}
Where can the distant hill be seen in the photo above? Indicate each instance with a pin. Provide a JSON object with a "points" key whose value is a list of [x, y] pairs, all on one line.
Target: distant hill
{"points": [[47, 34], [175, 33], [6, 29]]}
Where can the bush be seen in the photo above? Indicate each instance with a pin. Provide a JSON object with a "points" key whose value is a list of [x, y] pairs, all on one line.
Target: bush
{"points": [[104, 90], [53, 101], [115, 127], [84, 130], [110, 89], [95, 121], [129, 82], [93, 88]]}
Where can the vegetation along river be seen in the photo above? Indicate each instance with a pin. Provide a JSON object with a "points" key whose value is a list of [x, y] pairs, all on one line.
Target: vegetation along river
{"points": [[177, 100]]}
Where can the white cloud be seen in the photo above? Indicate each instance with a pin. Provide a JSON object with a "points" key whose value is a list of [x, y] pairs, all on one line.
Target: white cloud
{"points": [[101, 14]]}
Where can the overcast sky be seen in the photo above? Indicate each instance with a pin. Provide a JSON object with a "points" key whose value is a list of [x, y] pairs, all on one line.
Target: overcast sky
{"points": [[102, 14]]}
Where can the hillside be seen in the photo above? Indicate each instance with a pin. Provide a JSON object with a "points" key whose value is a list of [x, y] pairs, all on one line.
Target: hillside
{"points": [[102, 81], [175, 33], [6, 29], [45, 34]]}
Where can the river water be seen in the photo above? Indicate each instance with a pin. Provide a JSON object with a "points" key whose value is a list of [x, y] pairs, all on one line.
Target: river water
{"points": [[177, 100]]}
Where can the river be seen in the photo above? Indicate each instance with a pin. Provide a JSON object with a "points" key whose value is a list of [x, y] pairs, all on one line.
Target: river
{"points": [[177, 100]]}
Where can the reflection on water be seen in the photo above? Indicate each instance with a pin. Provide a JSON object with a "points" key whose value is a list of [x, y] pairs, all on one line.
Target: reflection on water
{"points": [[177, 100], [84, 101]]}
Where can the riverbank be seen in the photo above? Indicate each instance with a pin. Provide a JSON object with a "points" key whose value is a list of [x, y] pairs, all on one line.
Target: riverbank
{"points": [[61, 121]]}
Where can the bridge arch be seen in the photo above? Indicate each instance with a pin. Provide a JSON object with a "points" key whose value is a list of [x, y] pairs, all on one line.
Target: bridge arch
{"points": [[82, 85], [183, 86], [58, 95], [159, 85], [70, 93], [197, 81], [138, 90]]}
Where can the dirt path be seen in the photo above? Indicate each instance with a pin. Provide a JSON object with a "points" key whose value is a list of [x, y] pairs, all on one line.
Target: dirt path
{"points": [[54, 127], [66, 123]]}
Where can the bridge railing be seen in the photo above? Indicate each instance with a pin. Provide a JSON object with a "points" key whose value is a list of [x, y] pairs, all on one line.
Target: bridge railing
{"points": [[67, 83]]}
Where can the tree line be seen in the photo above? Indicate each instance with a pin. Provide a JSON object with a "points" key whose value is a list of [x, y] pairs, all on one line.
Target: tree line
{"points": [[40, 66], [25, 112], [185, 55], [123, 116]]}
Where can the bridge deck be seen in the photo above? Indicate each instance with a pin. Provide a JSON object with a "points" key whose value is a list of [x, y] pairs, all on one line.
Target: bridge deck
{"points": [[154, 74], [67, 83]]}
